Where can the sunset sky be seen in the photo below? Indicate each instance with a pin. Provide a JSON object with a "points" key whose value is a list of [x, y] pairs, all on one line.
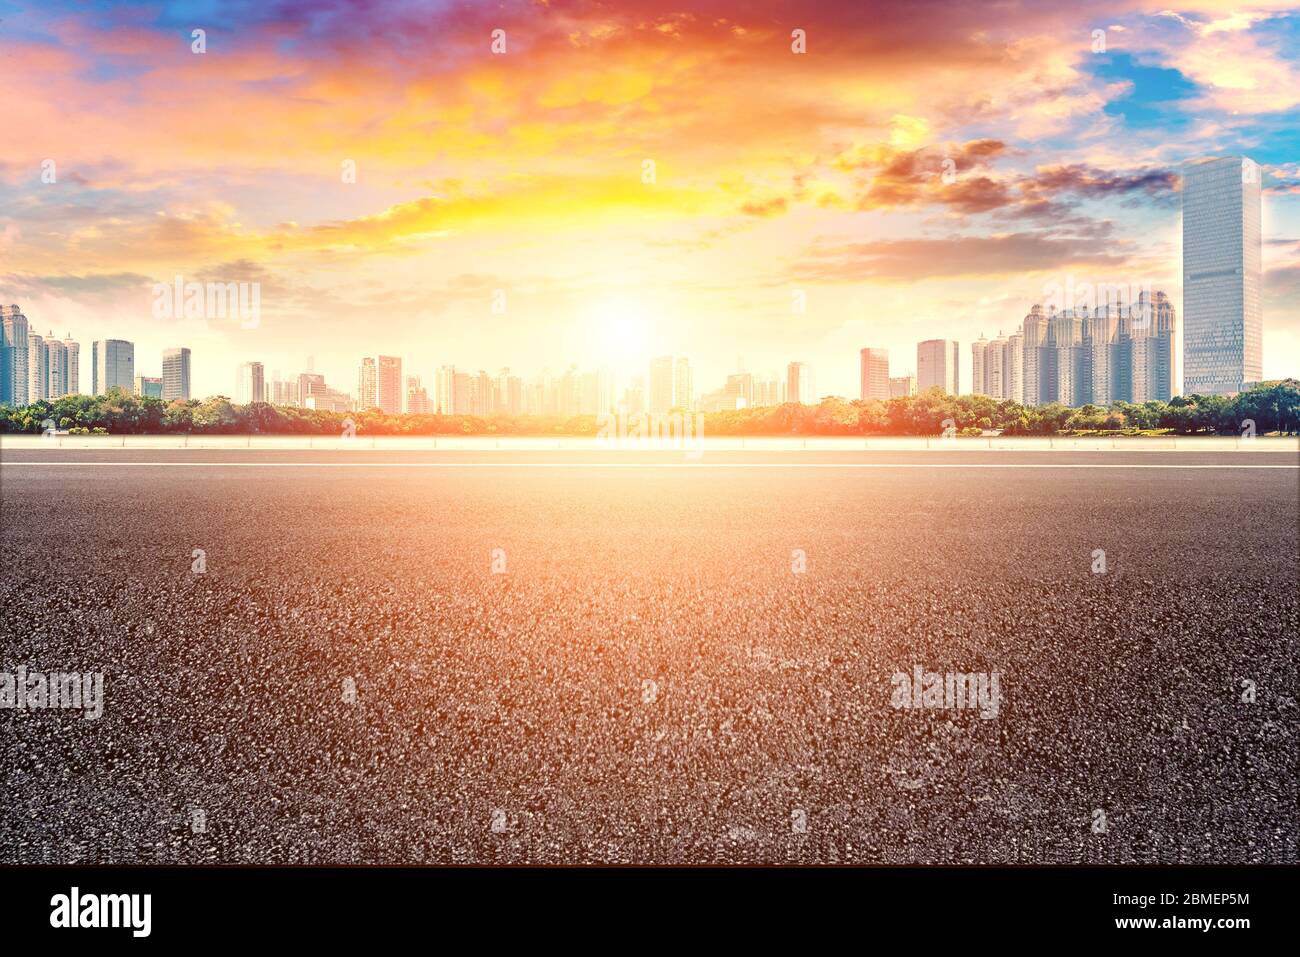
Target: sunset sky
{"points": [[775, 173]]}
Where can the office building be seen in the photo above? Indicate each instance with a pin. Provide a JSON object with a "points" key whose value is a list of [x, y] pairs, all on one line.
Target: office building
{"points": [[389, 385], [326, 399], [309, 384], [874, 373], [146, 385], [1222, 313], [799, 384], [741, 385], [902, 386], [176, 374], [250, 383], [112, 365], [938, 364]]}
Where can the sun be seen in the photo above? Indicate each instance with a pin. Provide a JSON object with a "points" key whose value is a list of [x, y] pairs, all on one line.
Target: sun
{"points": [[619, 333]]}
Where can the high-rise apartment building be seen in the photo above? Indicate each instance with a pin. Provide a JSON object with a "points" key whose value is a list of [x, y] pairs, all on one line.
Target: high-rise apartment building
{"points": [[389, 385], [1060, 360], [1222, 313], [49, 368], [874, 373], [938, 363], [444, 401], [367, 384], [1014, 373], [250, 383], [661, 384], [74, 365], [633, 398], [176, 374], [1114, 353], [38, 368], [14, 350], [978, 351], [112, 365], [684, 385], [799, 384], [417, 397], [281, 391], [769, 390], [462, 393]]}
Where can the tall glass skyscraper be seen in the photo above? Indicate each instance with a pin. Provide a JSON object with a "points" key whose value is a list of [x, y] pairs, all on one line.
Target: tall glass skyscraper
{"points": [[112, 365], [1222, 317]]}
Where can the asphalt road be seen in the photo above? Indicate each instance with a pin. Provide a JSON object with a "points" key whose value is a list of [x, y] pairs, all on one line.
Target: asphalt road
{"points": [[651, 677]]}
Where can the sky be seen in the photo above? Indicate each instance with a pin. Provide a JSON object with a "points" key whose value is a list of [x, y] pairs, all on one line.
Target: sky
{"points": [[617, 180]]}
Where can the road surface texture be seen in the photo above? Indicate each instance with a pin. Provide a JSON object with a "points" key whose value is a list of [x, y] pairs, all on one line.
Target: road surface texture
{"points": [[570, 657]]}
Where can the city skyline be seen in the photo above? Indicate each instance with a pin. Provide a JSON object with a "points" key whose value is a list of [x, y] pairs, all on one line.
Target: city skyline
{"points": [[1116, 350]]}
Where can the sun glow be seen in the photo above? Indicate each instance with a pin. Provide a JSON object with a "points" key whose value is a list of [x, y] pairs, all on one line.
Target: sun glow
{"points": [[619, 333]]}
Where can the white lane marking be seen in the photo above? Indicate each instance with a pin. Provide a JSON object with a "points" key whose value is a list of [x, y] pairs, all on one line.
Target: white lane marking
{"points": [[644, 465]]}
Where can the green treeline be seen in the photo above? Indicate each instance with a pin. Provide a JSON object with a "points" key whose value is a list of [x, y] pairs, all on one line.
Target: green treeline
{"points": [[1272, 406]]}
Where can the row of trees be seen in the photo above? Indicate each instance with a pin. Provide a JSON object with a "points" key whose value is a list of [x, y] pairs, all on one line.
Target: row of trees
{"points": [[1271, 407]]}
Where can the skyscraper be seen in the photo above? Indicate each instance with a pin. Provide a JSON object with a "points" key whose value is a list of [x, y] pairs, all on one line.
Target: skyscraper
{"points": [[938, 364], [251, 383], [72, 383], [389, 385], [799, 384], [367, 384], [661, 384], [1033, 332], [874, 373], [995, 367], [1109, 354], [147, 385], [445, 389], [38, 368], [462, 393], [417, 397], [1060, 360], [112, 365], [49, 367], [176, 374], [684, 386], [978, 374], [14, 349], [1015, 367], [1222, 315]]}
